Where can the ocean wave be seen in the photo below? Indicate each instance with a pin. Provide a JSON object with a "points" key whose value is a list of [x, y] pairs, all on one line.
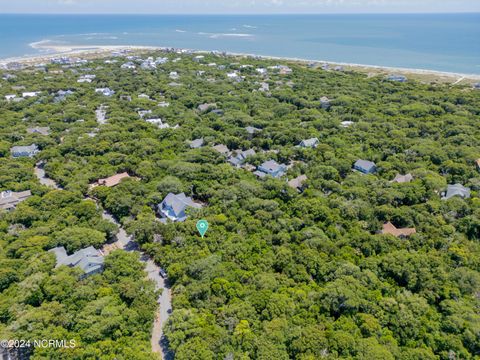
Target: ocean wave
{"points": [[221, 35], [216, 36], [250, 27], [180, 31]]}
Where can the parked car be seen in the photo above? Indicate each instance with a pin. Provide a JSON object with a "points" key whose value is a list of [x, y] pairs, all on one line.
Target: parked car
{"points": [[162, 273]]}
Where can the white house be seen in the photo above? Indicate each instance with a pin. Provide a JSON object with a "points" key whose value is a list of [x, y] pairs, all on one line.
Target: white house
{"points": [[105, 91]]}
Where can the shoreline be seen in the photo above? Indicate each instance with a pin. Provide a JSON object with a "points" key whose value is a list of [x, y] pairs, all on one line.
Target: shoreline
{"points": [[97, 51]]}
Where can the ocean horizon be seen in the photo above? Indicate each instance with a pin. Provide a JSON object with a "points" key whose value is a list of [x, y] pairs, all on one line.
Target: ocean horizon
{"points": [[439, 42]]}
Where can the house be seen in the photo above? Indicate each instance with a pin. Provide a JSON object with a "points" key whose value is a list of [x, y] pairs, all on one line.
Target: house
{"points": [[456, 190], [173, 75], [272, 168], [39, 130], [218, 112], [143, 113], [346, 124], [262, 71], [309, 143], [365, 166], [173, 206], [62, 95], [325, 103], [476, 86], [390, 229], [403, 178], [30, 94], [128, 65], [240, 157], [105, 91], [198, 58], [397, 78], [163, 104], [197, 143], [10, 199], [264, 87], [10, 97], [144, 96], [222, 149], [90, 260], [24, 151], [207, 106], [252, 130], [112, 180], [297, 183]]}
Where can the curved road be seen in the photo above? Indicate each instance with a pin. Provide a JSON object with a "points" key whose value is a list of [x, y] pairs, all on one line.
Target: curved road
{"points": [[125, 242]]}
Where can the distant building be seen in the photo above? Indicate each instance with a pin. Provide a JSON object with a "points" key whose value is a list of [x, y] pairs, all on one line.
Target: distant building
{"points": [[456, 190], [173, 206], [365, 166], [30, 94], [39, 130], [10, 97], [325, 103], [346, 124], [271, 168], [252, 130], [218, 112], [105, 91], [90, 260], [128, 65], [9, 199], [298, 182], [112, 180], [207, 106], [390, 229], [222, 149], [197, 143], [173, 75], [24, 151], [403, 178], [397, 78], [309, 143], [476, 86], [240, 157], [198, 58]]}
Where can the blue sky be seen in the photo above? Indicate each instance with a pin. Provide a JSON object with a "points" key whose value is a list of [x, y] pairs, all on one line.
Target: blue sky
{"points": [[237, 6]]}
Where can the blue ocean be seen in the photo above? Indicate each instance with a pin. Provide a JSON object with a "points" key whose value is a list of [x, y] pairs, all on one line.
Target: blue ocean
{"points": [[443, 42]]}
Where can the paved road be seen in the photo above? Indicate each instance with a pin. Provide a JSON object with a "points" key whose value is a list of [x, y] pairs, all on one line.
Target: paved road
{"points": [[159, 343], [125, 242], [44, 180]]}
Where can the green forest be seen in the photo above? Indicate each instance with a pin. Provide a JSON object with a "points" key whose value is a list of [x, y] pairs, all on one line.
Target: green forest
{"points": [[281, 273]]}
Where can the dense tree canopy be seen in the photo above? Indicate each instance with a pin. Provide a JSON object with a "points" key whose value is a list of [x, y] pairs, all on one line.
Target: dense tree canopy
{"points": [[281, 274]]}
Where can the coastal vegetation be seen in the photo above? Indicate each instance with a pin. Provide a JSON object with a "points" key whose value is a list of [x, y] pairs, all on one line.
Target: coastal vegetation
{"points": [[281, 273]]}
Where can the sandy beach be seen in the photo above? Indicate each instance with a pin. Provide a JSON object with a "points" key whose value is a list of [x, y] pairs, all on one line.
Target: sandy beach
{"points": [[99, 51]]}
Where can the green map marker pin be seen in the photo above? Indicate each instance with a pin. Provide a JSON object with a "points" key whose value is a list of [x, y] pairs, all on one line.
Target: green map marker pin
{"points": [[202, 227]]}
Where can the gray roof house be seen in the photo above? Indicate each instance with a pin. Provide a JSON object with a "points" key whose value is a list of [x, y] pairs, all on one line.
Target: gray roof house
{"points": [[206, 107], [222, 149], [365, 166], [24, 151], [309, 143], [272, 168], [90, 260], [173, 206], [10, 199], [240, 157], [325, 103], [456, 190], [252, 130], [397, 78], [197, 143], [39, 130]]}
